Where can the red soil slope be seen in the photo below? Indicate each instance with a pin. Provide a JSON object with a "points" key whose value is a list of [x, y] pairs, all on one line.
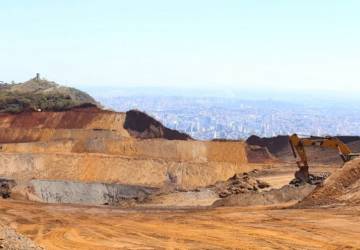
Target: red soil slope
{"points": [[133, 123], [72, 119]]}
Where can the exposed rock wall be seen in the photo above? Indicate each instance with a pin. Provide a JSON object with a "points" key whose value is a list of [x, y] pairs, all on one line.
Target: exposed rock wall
{"points": [[86, 193], [184, 151], [115, 169], [91, 145], [19, 135], [73, 119]]}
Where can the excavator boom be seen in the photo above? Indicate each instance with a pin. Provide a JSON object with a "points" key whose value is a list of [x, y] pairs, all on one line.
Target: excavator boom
{"points": [[298, 147]]}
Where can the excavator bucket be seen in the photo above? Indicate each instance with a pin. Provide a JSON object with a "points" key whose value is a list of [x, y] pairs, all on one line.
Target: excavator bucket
{"points": [[303, 174]]}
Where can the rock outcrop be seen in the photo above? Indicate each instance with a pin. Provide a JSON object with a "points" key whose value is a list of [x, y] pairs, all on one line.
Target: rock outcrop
{"points": [[94, 145]]}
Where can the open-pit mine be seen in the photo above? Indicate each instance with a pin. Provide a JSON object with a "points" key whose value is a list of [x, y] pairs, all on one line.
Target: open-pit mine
{"points": [[89, 178]]}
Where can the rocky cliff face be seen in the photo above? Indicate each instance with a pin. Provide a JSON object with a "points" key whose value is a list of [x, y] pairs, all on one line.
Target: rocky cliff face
{"points": [[93, 145], [51, 135]]}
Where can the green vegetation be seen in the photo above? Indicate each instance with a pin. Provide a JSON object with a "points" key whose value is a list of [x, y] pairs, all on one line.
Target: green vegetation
{"points": [[15, 102], [35, 95]]}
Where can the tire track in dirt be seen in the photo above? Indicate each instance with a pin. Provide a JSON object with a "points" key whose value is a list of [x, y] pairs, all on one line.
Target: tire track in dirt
{"points": [[76, 227]]}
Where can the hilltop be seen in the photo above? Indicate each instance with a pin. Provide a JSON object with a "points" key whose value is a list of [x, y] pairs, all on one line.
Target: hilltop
{"points": [[41, 94]]}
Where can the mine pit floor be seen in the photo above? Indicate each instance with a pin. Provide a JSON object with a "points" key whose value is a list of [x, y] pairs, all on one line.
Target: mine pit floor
{"points": [[60, 226], [77, 227]]}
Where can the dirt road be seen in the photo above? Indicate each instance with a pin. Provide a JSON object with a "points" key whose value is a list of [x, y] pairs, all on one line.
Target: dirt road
{"points": [[69, 227]]}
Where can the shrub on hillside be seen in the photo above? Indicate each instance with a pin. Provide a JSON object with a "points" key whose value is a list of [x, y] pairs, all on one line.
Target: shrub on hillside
{"points": [[16, 103]]}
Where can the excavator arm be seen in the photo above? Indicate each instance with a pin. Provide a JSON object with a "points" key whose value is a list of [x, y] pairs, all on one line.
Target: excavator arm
{"points": [[298, 148]]}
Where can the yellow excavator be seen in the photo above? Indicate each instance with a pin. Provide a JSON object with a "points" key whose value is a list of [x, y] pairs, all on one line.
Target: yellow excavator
{"points": [[298, 147]]}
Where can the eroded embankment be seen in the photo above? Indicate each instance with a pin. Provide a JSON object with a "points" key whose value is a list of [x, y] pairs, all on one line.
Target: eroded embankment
{"points": [[21, 135], [97, 131], [91, 145], [105, 142], [115, 169], [133, 123], [87, 118]]}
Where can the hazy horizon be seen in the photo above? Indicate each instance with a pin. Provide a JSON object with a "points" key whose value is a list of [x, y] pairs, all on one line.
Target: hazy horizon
{"points": [[280, 46], [305, 97]]}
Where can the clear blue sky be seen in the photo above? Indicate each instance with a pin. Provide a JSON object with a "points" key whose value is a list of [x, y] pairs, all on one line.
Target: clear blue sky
{"points": [[234, 43]]}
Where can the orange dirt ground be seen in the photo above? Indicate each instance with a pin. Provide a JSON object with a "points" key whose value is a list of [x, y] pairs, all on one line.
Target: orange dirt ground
{"points": [[75, 227]]}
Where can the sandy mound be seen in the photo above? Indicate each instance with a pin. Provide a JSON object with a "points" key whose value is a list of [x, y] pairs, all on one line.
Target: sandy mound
{"points": [[246, 190], [342, 187], [275, 145], [275, 196], [239, 184], [5, 187], [10, 240]]}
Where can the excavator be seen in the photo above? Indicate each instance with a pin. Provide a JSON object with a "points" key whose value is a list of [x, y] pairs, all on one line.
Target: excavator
{"points": [[298, 148]]}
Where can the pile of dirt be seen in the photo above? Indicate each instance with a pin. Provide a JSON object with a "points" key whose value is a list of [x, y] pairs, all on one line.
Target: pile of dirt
{"points": [[278, 145], [258, 154], [316, 180], [354, 146], [342, 187], [5, 187], [246, 190], [141, 125], [11, 240], [239, 184], [285, 194]]}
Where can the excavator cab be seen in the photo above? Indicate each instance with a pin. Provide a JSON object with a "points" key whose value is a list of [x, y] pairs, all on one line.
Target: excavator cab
{"points": [[298, 148]]}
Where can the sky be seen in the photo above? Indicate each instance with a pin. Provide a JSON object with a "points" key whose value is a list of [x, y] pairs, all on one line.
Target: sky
{"points": [[232, 44]]}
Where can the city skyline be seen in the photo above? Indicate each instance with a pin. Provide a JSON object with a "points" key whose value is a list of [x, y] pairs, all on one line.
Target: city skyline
{"points": [[209, 118]]}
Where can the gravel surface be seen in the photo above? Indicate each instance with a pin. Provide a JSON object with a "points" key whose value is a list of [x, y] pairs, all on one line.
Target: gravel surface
{"points": [[10, 240]]}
